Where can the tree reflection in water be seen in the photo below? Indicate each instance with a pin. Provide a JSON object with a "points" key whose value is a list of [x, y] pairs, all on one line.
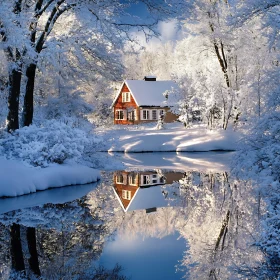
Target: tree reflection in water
{"points": [[59, 241]]}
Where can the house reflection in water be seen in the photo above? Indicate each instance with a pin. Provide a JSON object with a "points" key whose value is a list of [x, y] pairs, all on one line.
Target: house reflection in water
{"points": [[145, 189]]}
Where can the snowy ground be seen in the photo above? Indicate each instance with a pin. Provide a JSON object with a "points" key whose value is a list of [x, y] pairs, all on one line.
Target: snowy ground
{"points": [[175, 138], [18, 179]]}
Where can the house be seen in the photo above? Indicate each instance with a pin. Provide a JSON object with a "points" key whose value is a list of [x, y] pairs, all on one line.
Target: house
{"points": [[143, 189], [141, 101]]}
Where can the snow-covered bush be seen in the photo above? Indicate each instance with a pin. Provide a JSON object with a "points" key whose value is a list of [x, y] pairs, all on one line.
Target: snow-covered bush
{"points": [[53, 142]]}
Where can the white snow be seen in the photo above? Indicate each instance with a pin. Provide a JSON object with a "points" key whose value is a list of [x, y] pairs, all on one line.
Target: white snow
{"points": [[18, 179], [175, 139]]}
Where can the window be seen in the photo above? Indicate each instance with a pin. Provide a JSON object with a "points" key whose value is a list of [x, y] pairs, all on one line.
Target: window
{"points": [[119, 179], [120, 115], [126, 194], [154, 114], [131, 116], [146, 114], [126, 97], [132, 179]]}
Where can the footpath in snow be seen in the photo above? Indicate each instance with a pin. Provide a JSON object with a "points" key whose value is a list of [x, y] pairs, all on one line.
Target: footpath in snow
{"points": [[174, 139], [18, 179]]}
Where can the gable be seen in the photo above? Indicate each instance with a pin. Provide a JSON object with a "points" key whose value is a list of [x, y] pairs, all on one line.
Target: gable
{"points": [[118, 102]]}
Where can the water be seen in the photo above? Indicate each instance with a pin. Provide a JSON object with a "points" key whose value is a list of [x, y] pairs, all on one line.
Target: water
{"points": [[165, 216]]}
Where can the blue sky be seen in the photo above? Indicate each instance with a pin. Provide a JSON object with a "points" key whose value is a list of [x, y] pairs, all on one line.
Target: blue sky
{"points": [[169, 29]]}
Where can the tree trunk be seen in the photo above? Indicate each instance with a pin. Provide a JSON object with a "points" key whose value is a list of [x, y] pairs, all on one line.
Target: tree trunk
{"points": [[16, 248], [33, 260], [27, 114], [13, 99]]}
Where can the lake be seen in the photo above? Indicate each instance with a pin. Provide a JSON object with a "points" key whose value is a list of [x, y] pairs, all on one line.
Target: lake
{"points": [[161, 216]]}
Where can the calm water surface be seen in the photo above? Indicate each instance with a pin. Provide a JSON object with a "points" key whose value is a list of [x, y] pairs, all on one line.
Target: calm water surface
{"points": [[164, 216]]}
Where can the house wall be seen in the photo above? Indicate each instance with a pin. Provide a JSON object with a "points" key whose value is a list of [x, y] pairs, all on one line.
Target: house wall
{"points": [[168, 118]]}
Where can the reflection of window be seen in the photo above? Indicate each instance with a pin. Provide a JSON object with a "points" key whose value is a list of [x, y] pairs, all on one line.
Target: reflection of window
{"points": [[132, 179], [154, 114], [126, 97], [154, 179], [146, 179], [126, 194], [119, 179], [120, 114]]}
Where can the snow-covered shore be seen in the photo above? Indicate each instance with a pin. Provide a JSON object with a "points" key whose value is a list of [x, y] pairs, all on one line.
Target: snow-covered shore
{"points": [[18, 179], [174, 139]]}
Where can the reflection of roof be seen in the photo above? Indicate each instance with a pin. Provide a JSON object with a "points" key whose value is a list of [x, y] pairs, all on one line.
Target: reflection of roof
{"points": [[153, 197], [150, 198], [150, 93]]}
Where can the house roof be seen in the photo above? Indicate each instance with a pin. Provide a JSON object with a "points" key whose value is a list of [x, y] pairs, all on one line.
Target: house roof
{"points": [[149, 93]]}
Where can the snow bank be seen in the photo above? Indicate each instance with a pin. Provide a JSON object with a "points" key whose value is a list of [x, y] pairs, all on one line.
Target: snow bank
{"points": [[198, 139], [18, 179]]}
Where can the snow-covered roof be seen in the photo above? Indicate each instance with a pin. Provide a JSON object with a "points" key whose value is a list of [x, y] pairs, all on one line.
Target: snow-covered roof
{"points": [[150, 93]]}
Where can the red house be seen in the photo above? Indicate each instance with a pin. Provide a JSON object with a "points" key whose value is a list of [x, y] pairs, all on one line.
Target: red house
{"points": [[141, 101]]}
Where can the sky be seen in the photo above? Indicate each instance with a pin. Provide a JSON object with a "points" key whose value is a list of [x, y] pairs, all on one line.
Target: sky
{"points": [[169, 30]]}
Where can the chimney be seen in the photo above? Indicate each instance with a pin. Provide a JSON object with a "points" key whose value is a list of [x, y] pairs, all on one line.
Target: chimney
{"points": [[150, 78]]}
